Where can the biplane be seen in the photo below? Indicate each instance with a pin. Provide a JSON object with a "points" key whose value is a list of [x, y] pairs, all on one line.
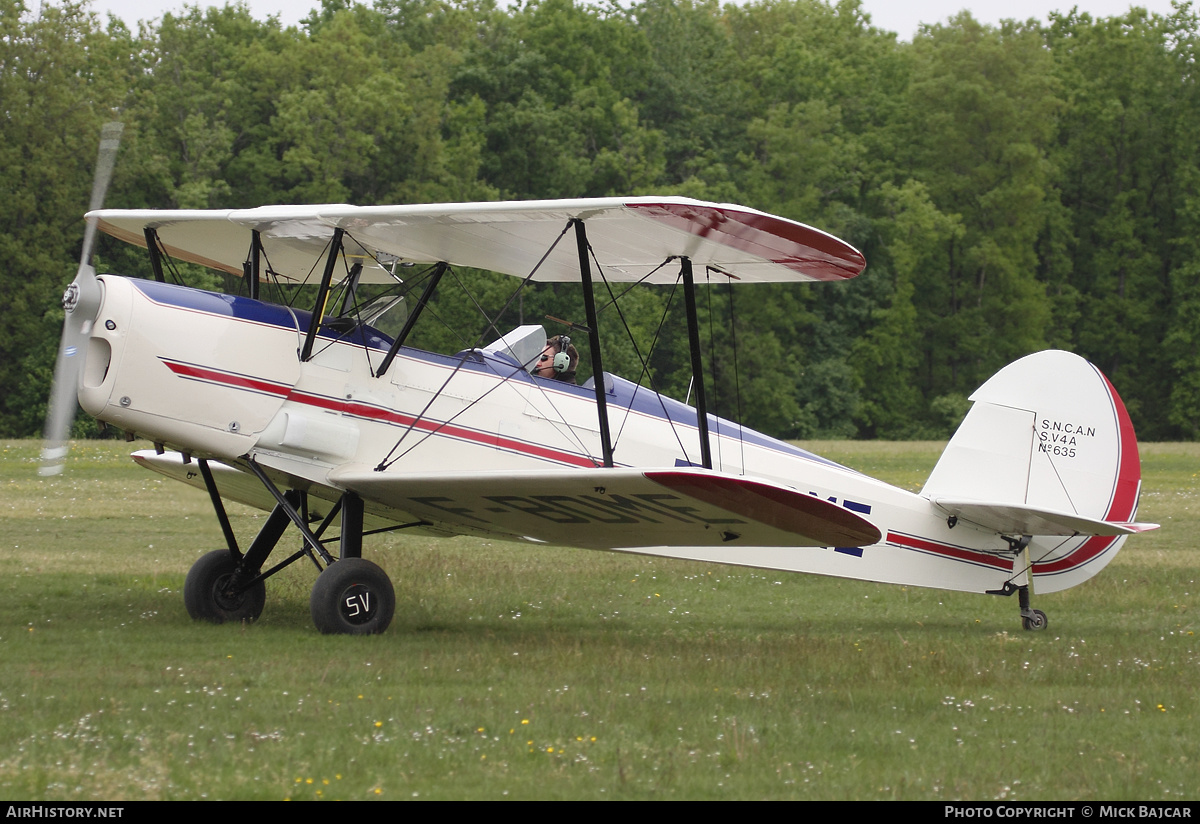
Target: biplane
{"points": [[326, 417]]}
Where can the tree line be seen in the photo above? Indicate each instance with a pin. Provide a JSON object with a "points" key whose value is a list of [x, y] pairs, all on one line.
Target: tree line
{"points": [[1031, 185]]}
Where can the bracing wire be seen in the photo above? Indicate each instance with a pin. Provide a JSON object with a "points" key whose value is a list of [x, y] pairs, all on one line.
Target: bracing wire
{"points": [[614, 301], [524, 282], [388, 460], [504, 379]]}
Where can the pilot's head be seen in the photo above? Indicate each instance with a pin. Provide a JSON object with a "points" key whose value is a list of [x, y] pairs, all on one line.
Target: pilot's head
{"points": [[558, 360]]}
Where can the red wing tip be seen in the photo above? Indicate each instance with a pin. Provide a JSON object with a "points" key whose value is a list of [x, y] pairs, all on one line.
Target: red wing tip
{"points": [[834, 525]]}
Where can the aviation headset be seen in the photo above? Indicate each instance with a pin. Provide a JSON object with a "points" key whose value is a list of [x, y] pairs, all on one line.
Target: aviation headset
{"points": [[562, 360]]}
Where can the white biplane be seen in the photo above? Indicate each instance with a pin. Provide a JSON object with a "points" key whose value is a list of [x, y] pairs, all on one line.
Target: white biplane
{"points": [[322, 418]]}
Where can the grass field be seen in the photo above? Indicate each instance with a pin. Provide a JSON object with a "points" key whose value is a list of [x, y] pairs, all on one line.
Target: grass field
{"points": [[517, 672]]}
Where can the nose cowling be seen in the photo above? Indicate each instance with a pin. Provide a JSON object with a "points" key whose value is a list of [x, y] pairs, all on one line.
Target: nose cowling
{"points": [[178, 366]]}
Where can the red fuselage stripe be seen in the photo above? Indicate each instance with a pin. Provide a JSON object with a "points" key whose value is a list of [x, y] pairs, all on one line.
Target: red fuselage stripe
{"points": [[957, 553], [375, 413], [200, 373]]}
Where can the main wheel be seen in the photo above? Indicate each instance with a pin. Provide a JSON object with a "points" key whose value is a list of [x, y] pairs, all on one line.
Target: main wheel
{"points": [[353, 597], [1035, 621], [207, 596]]}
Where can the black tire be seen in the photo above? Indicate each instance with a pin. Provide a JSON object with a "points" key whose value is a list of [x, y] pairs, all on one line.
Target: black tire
{"points": [[353, 597], [205, 595], [1036, 621]]}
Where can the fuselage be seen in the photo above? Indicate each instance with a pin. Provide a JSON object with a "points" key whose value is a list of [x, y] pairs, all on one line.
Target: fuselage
{"points": [[220, 377]]}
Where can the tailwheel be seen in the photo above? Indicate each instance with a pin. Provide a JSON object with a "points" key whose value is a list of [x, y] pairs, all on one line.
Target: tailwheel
{"points": [[212, 592], [1035, 620], [353, 597]]}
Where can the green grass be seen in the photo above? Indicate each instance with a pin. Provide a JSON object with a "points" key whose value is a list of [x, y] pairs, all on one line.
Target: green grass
{"points": [[518, 672]]}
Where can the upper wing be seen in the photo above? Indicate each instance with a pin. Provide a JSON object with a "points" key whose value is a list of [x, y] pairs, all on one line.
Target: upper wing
{"points": [[615, 508], [631, 238], [294, 238]]}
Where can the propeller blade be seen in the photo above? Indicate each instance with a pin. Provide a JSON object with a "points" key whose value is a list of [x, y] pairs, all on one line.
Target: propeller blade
{"points": [[110, 141], [64, 391], [81, 302]]}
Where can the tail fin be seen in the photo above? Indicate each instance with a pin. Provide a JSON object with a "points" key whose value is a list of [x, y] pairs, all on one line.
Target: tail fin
{"points": [[1047, 450]]}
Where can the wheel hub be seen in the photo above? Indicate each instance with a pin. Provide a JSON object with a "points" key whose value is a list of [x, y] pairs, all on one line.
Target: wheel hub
{"points": [[225, 596], [358, 604]]}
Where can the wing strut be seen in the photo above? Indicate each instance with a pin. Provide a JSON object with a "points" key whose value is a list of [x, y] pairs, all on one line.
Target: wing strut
{"points": [[314, 325], [411, 320], [252, 268], [689, 298], [152, 246], [589, 304], [222, 518], [289, 509]]}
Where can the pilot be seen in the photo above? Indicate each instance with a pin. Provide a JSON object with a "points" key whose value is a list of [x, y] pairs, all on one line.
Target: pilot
{"points": [[558, 360]]}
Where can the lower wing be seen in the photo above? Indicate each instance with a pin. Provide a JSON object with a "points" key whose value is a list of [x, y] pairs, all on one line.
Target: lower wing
{"points": [[615, 508]]}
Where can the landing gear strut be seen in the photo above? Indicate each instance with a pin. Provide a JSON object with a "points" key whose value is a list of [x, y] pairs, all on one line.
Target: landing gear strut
{"points": [[1031, 619], [352, 596]]}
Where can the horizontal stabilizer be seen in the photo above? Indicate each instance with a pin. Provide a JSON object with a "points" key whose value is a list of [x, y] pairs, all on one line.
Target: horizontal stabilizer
{"points": [[1022, 519], [615, 508]]}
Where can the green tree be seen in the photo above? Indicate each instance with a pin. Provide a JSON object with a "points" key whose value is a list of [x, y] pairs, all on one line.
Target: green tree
{"points": [[1127, 151], [560, 122], [982, 106], [889, 355], [200, 118]]}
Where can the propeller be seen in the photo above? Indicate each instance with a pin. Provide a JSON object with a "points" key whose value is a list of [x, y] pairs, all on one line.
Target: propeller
{"points": [[81, 302]]}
